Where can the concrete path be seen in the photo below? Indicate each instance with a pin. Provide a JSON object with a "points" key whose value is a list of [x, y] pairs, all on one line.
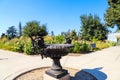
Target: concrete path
{"points": [[104, 64], [13, 64]]}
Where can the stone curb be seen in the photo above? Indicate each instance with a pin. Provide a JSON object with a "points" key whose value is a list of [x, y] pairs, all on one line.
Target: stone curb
{"points": [[16, 74]]}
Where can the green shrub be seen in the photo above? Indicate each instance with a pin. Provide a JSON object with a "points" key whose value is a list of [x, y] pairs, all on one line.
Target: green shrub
{"points": [[81, 47], [3, 40], [23, 44], [19, 46], [101, 45], [1, 45], [76, 47], [112, 43], [49, 39], [59, 39], [28, 48]]}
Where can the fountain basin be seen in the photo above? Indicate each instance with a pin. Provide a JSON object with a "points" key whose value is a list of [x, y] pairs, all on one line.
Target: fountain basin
{"points": [[57, 50]]}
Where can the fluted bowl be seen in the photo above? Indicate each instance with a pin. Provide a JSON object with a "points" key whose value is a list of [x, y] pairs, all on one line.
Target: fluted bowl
{"points": [[57, 50]]}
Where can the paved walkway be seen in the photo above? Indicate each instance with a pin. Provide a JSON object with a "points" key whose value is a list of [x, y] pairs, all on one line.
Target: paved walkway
{"points": [[105, 64]]}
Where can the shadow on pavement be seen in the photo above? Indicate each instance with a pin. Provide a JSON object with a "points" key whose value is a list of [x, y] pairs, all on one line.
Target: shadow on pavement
{"points": [[3, 58], [90, 74]]}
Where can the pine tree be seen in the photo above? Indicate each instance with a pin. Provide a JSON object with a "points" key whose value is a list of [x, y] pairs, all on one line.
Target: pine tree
{"points": [[112, 16], [92, 28]]}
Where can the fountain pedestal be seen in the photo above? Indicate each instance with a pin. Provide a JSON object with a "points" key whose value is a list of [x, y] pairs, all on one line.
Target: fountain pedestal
{"points": [[55, 52], [56, 70]]}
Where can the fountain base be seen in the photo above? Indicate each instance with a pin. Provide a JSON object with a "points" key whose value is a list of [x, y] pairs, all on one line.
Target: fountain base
{"points": [[49, 77], [57, 74]]}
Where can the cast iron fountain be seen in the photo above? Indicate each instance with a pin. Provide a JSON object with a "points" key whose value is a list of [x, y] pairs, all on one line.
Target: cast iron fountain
{"points": [[55, 52]]}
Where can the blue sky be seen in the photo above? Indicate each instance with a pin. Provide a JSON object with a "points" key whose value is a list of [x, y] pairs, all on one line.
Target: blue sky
{"points": [[58, 15]]}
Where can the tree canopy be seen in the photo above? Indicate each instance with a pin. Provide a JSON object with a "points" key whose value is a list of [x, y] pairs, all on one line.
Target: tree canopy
{"points": [[92, 28], [33, 28], [69, 34], [112, 16], [3, 35], [11, 32]]}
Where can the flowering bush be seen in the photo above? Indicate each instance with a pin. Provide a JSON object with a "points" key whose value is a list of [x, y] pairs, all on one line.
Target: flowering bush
{"points": [[101, 45], [23, 44]]}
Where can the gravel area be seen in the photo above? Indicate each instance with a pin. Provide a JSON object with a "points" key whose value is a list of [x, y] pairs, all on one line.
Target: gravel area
{"points": [[37, 74]]}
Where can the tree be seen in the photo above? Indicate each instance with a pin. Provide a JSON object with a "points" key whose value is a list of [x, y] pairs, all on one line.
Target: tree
{"points": [[65, 34], [92, 28], [69, 34], [33, 28], [20, 29], [3, 35], [112, 16], [11, 32], [52, 33], [73, 34]]}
